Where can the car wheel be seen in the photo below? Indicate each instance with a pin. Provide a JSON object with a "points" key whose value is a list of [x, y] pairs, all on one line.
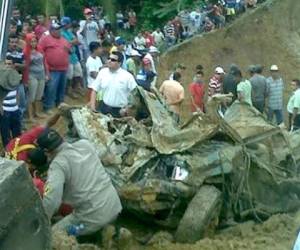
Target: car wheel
{"points": [[203, 209]]}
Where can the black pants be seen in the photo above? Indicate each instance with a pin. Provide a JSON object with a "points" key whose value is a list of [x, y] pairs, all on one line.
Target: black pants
{"points": [[296, 124], [106, 109]]}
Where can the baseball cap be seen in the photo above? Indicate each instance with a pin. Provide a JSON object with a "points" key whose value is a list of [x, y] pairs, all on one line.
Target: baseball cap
{"points": [[120, 41], [65, 21], [146, 61], [274, 68], [55, 26], [87, 11], [219, 70]]}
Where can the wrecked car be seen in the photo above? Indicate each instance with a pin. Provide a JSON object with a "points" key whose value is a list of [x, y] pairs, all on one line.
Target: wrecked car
{"points": [[193, 177]]}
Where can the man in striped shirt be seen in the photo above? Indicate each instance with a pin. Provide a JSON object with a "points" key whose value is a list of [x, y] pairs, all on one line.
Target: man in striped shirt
{"points": [[10, 116], [216, 82], [275, 94]]}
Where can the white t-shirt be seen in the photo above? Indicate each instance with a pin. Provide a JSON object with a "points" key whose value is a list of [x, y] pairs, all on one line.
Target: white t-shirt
{"points": [[140, 42], [90, 33], [116, 86], [158, 37], [92, 65]]}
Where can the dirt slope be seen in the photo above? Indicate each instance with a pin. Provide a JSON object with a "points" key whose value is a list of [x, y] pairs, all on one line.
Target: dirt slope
{"points": [[267, 35]]}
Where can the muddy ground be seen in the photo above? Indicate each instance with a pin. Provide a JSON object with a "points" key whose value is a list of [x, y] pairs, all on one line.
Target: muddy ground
{"points": [[277, 233]]}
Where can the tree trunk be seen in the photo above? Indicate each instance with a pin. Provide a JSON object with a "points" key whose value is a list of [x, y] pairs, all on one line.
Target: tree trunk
{"points": [[109, 7]]}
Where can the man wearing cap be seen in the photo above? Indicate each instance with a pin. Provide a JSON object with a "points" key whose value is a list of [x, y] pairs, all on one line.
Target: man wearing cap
{"points": [[56, 52], [74, 74], [145, 76], [132, 62], [116, 84], [275, 95], [259, 88], [77, 177], [152, 55], [120, 46], [89, 29], [216, 82]]}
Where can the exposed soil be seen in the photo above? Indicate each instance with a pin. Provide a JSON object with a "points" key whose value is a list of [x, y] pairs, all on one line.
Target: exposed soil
{"points": [[267, 35]]}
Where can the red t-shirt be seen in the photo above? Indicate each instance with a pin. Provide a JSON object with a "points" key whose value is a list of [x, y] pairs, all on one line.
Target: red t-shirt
{"points": [[56, 52], [197, 91], [28, 137]]}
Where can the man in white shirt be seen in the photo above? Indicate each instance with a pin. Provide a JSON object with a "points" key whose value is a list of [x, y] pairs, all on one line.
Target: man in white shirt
{"points": [[158, 37], [89, 29], [116, 84]]}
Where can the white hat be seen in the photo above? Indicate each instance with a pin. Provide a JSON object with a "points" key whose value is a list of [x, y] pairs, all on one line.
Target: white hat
{"points": [[134, 53], [153, 49], [219, 70], [274, 68]]}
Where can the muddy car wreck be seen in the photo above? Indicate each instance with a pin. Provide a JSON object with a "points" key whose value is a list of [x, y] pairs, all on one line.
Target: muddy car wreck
{"points": [[194, 177]]}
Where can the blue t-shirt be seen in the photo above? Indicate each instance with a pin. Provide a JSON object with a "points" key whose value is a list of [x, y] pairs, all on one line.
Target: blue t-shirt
{"points": [[68, 35]]}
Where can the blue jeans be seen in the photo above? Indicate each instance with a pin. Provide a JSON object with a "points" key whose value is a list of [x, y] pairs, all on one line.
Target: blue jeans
{"points": [[278, 115], [55, 89], [10, 126], [22, 100]]}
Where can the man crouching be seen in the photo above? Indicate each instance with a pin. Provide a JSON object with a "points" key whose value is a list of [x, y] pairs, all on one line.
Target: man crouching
{"points": [[77, 177]]}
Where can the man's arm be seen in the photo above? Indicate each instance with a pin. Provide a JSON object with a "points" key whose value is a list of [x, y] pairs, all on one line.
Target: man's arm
{"points": [[53, 190]]}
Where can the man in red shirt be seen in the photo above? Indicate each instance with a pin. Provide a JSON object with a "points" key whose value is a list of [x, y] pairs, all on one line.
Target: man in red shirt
{"points": [[197, 91], [56, 53]]}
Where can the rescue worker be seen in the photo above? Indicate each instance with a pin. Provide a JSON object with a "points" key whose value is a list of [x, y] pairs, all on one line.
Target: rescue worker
{"points": [[76, 177]]}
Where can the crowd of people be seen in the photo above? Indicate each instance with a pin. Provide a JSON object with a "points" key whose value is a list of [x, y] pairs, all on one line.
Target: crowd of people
{"points": [[59, 57]]}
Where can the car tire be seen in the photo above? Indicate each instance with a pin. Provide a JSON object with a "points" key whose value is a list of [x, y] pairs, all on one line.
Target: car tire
{"points": [[200, 213]]}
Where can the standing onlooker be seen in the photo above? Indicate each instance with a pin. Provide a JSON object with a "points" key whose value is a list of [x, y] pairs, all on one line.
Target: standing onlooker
{"points": [[35, 76], [10, 118], [89, 30], [18, 60], [132, 20], [244, 88], [229, 82], [120, 45], [145, 76], [178, 67], [293, 106], [197, 92], [17, 18], [41, 28], [56, 52], [133, 62], [74, 74], [158, 37], [173, 92], [120, 19], [170, 35], [215, 84], [259, 89], [116, 84], [93, 64], [275, 95], [140, 42]]}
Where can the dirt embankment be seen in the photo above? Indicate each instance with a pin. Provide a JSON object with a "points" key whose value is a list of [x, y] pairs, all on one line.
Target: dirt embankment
{"points": [[267, 35], [277, 233]]}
